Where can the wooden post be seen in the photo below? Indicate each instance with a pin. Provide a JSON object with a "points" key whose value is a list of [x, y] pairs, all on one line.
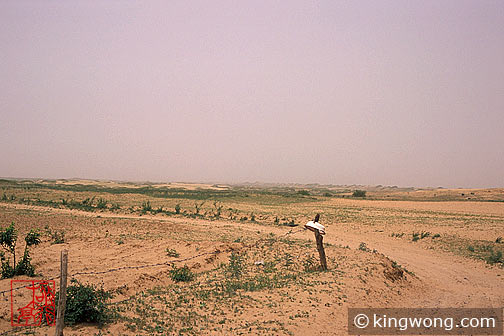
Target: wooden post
{"points": [[321, 251], [60, 317]]}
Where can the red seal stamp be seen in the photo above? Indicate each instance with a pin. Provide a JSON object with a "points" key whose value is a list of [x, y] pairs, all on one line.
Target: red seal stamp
{"points": [[35, 305]]}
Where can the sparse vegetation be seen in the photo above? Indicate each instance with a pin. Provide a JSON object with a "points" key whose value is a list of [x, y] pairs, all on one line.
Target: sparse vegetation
{"points": [[491, 252], [264, 271], [397, 234], [311, 265], [8, 240], [57, 236], [419, 235]]}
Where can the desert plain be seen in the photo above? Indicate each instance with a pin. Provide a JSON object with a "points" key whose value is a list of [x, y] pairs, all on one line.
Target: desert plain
{"points": [[248, 266]]}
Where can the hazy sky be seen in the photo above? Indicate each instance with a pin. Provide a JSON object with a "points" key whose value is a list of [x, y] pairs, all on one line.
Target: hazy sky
{"points": [[407, 93]]}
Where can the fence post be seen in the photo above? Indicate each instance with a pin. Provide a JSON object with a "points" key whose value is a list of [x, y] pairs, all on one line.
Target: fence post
{"points": [[319, 230], [321, 251], [60, 317]]}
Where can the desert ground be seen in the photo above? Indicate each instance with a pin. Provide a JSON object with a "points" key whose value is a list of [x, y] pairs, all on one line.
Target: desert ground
{"points": [[254, 269]]}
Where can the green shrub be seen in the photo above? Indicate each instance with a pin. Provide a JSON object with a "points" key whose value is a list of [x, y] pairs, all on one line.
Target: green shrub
{"points": [[87, 204], [181, 274], [177, 208], [420, 235], [235, 266], [24, 267], [172, 253], [359, 193], [32, 238], [363, 247], [197, 207], [495, 257], [7, 270], [102, 203], [86, 304], [311, 265], [146, 207], [57, 237], [397, 234], [8, 240], [290, 223]]}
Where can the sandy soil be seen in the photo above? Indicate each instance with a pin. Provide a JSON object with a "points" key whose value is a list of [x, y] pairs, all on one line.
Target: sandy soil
{"points": [[115, 184], [441, 279], [466, 207]]}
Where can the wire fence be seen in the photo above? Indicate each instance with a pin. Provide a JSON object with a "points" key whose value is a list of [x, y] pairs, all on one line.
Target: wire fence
{"points": [[166, 263], [170, 262]]}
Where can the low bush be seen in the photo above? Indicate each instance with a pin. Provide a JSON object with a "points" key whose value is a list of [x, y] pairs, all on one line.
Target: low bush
{"points": [[146, 207], [181, 274], [8, 240], [363, 247], [86, 303], [420, 235], [235, 267], [57, 237], [359, 193], [172, 253], [102, 204], [495, 257]]}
